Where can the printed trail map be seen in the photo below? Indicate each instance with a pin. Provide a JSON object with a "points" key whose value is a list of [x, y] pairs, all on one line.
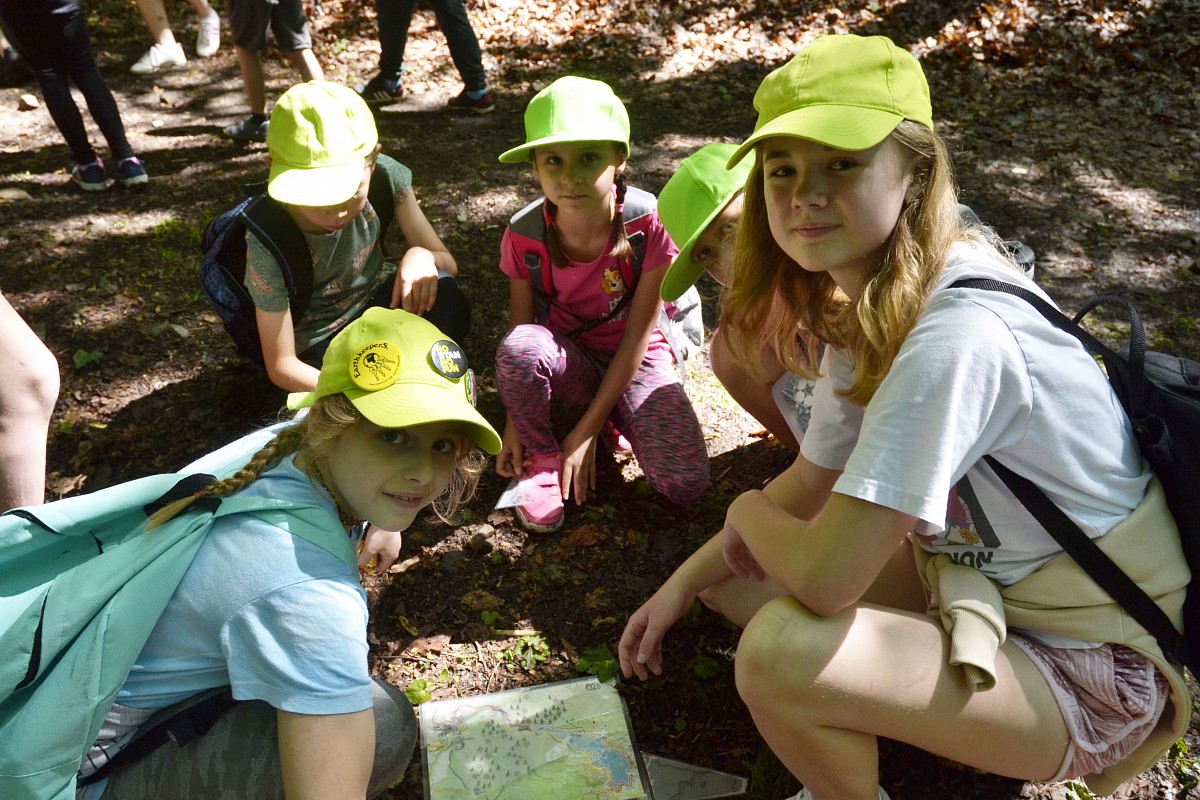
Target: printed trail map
{"points": [[569, 740]]}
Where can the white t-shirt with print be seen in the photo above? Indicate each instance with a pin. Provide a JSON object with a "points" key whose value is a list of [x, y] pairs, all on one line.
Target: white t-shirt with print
{"points": [[982, 373]]}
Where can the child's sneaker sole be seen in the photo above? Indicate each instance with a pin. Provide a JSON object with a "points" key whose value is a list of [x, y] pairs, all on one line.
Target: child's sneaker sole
{"points": [[539, 528]]}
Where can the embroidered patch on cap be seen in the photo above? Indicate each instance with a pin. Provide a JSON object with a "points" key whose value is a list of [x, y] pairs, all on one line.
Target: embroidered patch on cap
{"points": [[448, 359], [375, 366]]}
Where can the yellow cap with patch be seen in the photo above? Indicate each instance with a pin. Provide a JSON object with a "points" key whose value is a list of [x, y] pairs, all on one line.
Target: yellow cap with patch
{"points": [[399, 370]]}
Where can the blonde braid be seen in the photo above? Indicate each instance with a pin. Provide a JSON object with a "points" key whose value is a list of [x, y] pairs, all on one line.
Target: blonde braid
{"points": [[286, 442]]}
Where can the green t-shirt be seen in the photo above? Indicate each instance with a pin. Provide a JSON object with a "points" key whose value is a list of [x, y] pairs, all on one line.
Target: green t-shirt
{"points": [[348, 268]]}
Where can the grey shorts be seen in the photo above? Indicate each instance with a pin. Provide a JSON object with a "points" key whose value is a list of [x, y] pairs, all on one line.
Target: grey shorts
{"points": [[253, 20]]}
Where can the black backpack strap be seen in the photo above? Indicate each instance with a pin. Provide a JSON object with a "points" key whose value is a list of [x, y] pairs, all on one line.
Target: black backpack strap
{"points": [[267, 219], [537, 280], [186, 487], [380, 196], [178, 724], [1134, 365], [1095, 562]]}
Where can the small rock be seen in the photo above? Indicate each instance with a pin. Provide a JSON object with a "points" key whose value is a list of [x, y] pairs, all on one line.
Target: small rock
{"points": [[28, 103], [480, 543], [8, 194]]}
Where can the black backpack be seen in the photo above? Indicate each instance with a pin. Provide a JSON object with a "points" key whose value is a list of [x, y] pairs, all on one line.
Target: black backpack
{"points": [[1161, 395], [223, 267]]}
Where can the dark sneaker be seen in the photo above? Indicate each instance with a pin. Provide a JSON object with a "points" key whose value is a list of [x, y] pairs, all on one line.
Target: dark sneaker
{"points": [[379, 91], [248, 130], [90, 177], [484, 105], [132, 172]]}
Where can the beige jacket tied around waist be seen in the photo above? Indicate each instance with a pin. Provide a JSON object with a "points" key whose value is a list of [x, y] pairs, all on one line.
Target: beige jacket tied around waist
{"points": [[1061, 599]]}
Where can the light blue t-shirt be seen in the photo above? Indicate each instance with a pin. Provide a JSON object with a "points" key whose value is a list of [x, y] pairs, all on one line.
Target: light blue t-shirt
{"points": [[275, 617]]}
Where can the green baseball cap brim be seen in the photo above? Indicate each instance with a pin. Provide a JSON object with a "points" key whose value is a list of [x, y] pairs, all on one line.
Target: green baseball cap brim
{"points": [[316, 186], [572, 109], [415, 402], [399, 370], [694, 196], [834, 126]]}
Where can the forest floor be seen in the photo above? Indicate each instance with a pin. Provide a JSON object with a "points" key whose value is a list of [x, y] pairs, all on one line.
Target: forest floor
{"points": [[1074, 129]]}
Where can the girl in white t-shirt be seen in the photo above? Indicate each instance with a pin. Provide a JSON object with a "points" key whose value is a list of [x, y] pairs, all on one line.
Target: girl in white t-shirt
{"points": [[851, 216]]}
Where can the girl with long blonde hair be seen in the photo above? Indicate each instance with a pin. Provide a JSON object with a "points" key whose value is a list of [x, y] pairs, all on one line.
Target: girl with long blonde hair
{"points": [[888, 582]]}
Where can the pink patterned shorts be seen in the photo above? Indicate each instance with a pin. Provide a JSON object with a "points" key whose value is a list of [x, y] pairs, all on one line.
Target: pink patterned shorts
{"points": [[1111, 697]]}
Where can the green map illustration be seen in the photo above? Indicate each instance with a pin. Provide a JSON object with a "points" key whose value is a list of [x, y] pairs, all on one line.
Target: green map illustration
{"points": [[561, 741]]}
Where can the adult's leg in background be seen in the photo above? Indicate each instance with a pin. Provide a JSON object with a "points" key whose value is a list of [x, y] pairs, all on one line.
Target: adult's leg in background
{"points": [[393, 18], [463, 43], [41, 41], [80, 64]]}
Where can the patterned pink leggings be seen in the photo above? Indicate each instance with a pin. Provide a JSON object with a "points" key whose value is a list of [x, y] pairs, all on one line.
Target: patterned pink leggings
{"points": [[534, 363]]}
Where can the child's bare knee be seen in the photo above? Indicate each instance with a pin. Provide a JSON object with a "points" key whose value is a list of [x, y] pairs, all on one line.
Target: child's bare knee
{"points": [[784, 645]]}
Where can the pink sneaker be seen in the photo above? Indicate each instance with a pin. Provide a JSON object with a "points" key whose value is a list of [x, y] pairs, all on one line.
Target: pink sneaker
{"points": [[542, 510], [615, 439]]}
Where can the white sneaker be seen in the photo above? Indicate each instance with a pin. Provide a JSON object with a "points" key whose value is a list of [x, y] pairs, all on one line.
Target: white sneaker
{"points": [[805, 794], [208, 35], [159, 57]]}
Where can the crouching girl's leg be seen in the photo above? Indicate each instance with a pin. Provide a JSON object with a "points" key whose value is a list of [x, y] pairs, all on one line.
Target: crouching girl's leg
{"points": [[532, 364], [658, 419], [821, 689], [239, 757]]}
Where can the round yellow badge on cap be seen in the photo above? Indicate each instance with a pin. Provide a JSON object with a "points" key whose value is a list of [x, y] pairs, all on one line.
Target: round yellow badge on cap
{"points": [[375, 366]]}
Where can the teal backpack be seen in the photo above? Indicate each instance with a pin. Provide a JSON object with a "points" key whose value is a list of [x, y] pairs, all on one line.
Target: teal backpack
{"points": [[82, 584]]}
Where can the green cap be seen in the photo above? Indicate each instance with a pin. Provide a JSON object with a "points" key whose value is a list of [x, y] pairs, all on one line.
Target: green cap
{"points": [[319, 135], [844, 91], [694, 196], [572, 109], [399, 370]]}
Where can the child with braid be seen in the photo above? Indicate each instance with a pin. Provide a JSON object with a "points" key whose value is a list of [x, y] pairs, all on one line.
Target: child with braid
{"points": [[585, 264], [282, 622]]}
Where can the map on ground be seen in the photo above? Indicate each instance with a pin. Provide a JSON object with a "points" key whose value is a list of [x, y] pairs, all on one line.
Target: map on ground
{"points": [[569, 740]]}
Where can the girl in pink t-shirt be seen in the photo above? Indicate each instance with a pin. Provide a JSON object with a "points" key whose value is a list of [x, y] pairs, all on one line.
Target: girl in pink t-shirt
{"points": [[585, 264]]}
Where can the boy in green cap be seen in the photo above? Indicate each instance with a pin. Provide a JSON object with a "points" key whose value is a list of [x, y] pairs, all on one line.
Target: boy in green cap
{"points": [[323, 151], [700, 207]]}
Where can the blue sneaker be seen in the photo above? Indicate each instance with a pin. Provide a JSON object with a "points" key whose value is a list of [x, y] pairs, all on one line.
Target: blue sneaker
{"points": [[132, 172], [90, 177]]}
